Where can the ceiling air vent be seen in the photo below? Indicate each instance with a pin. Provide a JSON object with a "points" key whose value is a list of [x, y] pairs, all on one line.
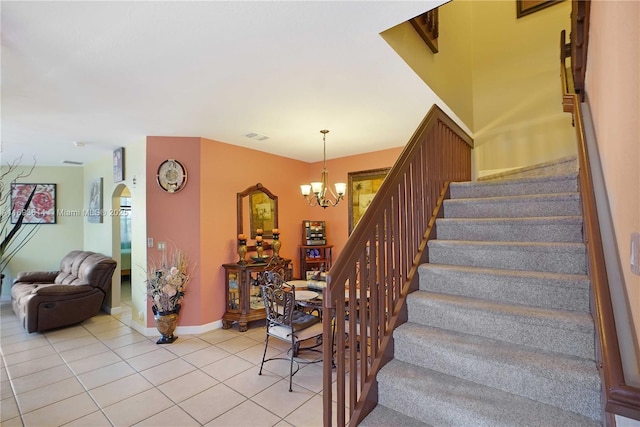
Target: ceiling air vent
{"points": [[256, 136], [72, 162]]}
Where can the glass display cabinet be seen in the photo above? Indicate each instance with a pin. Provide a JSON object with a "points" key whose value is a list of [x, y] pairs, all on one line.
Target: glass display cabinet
{"points": [[243, 299]]}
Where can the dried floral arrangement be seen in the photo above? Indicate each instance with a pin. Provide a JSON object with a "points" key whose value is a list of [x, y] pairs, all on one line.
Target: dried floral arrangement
{"points": [[166, 283]]}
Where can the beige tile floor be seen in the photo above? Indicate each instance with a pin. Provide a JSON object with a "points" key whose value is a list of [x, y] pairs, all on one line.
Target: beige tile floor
{"points": [[103, 373]]}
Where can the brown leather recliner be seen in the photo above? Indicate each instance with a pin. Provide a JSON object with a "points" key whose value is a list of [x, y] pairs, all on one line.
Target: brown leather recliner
{"points": [[47, 300]]}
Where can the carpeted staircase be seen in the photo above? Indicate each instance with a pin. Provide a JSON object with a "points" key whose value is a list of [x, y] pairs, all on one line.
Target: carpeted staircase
{"points": [[499, 333]]}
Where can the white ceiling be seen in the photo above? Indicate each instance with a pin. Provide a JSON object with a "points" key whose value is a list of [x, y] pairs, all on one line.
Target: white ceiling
{"points": [[108, 74]]}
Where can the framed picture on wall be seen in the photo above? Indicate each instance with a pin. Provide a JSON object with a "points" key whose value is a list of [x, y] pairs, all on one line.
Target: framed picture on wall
{"points": [[118, 164], [41, 208], [363, 186], [263, 214], [526, 7], [312, 253], [94, 213]]}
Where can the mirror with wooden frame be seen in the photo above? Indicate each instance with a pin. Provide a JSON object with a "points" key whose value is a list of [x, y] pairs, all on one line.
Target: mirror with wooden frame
{"points": [[257, 208]]}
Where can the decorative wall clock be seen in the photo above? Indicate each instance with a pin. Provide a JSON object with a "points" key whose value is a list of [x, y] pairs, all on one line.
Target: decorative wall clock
{"points": [[172, 176]]}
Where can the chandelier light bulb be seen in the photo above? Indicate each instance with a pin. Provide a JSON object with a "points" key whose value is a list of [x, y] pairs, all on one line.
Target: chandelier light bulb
{"points": [[316, 187], [305, 189]]}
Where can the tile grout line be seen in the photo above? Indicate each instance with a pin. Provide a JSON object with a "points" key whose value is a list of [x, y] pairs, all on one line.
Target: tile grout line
{"points": [[91, 332]]}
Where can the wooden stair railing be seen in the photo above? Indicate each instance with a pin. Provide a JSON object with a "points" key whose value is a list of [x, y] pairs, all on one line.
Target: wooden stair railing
{"points": [[379, 264], [618, 397]]}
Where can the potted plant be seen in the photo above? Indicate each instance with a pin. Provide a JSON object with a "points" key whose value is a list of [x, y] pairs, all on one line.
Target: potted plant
{"points": [[166, 284]]}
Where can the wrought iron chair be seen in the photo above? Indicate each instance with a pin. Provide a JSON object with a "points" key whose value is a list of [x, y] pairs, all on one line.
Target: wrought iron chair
{"points": [[286, 323]]}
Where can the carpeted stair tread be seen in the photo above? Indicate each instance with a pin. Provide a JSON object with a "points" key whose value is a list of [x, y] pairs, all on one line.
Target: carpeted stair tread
{"points": [[566, 183], [571, 219], [556, 167], [439, 399], [516, 198], [500, 332], [567, 332], [539, 289], [381, 416], [532, 205], [568, 382], [555, 257], [531, 229]]}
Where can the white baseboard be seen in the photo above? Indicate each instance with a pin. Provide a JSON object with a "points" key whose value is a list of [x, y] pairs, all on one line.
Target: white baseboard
{"points": [[187, 330], [626, 422], [112, 310]]}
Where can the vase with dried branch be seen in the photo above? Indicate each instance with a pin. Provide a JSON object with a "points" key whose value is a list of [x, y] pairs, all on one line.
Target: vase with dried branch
{"points": [[166, 284], [14, 236]]}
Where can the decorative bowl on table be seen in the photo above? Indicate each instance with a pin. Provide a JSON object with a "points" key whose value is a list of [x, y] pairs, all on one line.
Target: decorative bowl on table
{"points": [[261, 260], [306, 295]]}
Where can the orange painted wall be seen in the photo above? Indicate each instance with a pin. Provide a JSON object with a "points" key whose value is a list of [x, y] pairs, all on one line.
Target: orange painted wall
{"points": [[212, 232], [202, 217], [229, 169], [338, 218], [175, 218]]}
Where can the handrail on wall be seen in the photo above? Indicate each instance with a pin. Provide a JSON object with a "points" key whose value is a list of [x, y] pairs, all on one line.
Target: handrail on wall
{"points": [[368, 283], [619, 398]]}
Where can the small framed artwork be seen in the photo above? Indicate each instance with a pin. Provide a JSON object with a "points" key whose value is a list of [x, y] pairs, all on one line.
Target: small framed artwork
{"points": [[118, 164], [94, 214], [526, 7], [263, 213], [316, 275], [363, 186], [312, 253], [34, 203]]}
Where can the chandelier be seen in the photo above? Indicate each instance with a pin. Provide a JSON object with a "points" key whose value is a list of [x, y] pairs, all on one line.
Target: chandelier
{"points": [[319, 188]]}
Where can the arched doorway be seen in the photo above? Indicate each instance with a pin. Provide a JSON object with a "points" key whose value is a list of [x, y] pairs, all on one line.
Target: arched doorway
{"points": [[121, 248]]}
